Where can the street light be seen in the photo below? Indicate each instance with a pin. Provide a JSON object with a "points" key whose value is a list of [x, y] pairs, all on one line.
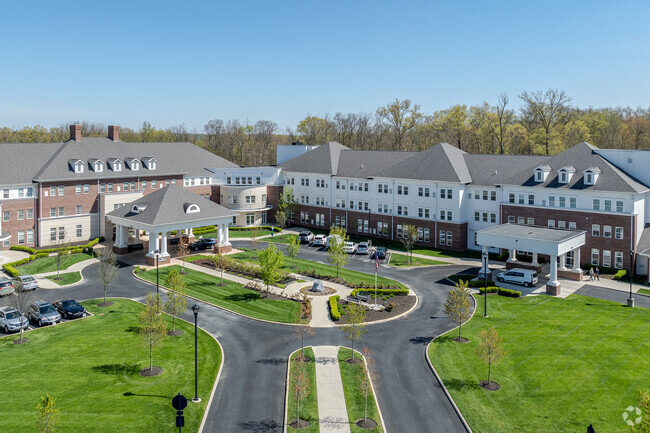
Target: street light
{"points": [[630, 300], [485, 274], [196, 399], [157, 253]]}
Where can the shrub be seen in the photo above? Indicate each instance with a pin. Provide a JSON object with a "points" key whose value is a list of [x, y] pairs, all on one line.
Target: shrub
{"points": [[334, 307], [480, 283], [509, 293], [381, 292], [10, 270], [41, 255], [620, 274], [490, 289], [390, 306]]}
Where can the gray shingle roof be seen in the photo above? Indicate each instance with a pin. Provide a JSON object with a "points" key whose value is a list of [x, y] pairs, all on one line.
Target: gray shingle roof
{"points": [[21, 161], [171, 158], [368, 163], [643, 247], [442, 162], [491, 170], [322, 160], [167, 206]]}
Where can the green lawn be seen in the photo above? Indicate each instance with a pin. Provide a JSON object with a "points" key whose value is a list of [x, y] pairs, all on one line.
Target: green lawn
{"points": [[302, 266], [644, 291], [405, 261], [48, 264], [278, 239], [457, 277], [570, 362], [91, 367], [308, 406], [354, 397], [66, 278], [232, 296]]}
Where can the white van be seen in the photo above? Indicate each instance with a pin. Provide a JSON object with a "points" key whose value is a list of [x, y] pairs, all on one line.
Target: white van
{"points": [[526, 277]]}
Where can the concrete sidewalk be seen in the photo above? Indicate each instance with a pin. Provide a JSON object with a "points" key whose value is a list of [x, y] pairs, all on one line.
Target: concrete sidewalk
{"points": [[332, 410]]}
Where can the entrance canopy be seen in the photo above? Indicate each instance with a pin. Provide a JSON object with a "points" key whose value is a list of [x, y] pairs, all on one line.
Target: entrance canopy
{"points": [[167, 209]]}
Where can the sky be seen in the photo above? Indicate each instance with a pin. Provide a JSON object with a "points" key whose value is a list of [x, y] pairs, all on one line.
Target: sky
{"points": [[168, 63]]}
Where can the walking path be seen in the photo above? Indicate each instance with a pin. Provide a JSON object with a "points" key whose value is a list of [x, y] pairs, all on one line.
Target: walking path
{"points": [[332, 411]]}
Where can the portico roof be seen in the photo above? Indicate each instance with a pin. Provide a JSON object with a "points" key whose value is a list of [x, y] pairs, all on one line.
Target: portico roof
{"points": [[540, 240]]}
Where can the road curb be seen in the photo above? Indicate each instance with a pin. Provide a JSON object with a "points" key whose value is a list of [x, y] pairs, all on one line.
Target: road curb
{"points": [[216, 380]]}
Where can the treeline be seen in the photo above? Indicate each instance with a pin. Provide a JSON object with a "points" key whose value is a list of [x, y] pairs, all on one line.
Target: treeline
{"points": [[545, 124]]}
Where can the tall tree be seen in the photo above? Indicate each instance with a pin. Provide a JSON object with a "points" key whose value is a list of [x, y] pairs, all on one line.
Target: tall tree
{"points": [[454, 125], [458, 306], [183, 249], [20, 300], [301, 331], [402, 118], [545, 109], [355, 326], [489, 349], [336, 248], [153, 330], [176, 299], [107, 270], [314, 130], [271, 262]]}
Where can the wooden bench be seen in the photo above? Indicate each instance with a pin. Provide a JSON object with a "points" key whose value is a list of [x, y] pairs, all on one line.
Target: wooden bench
{"points": [[359, 298]]}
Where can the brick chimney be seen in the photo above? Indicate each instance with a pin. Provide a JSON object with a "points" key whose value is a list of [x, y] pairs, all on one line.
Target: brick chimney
{"points": [[75, 132], [114, 132]]}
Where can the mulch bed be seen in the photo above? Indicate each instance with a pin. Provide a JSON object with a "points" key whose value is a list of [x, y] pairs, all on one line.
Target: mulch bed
{"points": [[105, 304], [298, 424], [327, 292], [20, 341], [367, 424], [460, 340], [355, 361], [492, 386], [402, 305], [175, 333], [155, 371]]}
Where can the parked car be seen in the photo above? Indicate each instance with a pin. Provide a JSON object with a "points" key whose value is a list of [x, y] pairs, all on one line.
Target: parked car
{"points": [[43, 312], [12, 320], [350, 247], [25, 282], [526, 277], [364, 247], [320, 240], [306, 237], [6, 287], [332, 240], [69, 309], [203, 244], [380, 252]]}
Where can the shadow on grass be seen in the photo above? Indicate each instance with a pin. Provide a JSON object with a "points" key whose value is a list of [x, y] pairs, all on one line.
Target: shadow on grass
{"points": [[133, 329], [272, 361], [461, 385], [261, 426], [130, 394], [243, 297], [421, 340], [117, 369], [444, 339]]}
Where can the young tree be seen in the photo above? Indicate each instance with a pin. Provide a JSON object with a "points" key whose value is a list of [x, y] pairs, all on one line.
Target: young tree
{"points": [[293, 248], [300, 384], [409, 238], [355, 327], [47, 415], [458, 306], [107, 270], [336, 248], [183, 249], [302, 330], [176, 300], [152, 326], [62, 257], [219, 261], [20, 300], [489, 349], [368, 377], [286, 204], [271, 262], [255, 232]]}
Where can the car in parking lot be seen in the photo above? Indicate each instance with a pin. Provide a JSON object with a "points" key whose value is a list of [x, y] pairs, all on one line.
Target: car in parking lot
{"points": [[12, 320], [24, 283], [42, 312], [526, 277], [320, 240], [6, 287], [332, 240], [364, 247], [306, 237], [380, 253], [350, 247], [69, 309], [203, 244]]}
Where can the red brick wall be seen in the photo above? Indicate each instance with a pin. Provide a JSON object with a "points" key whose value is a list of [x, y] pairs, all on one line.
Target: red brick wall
{"points": [[272, 197], [14, 225], [584, 221]]}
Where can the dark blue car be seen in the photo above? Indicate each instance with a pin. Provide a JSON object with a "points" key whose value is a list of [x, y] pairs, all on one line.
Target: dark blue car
{"points": [[203, 244]]}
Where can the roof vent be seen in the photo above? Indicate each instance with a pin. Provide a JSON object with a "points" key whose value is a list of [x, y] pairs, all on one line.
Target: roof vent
{"points": [[629, 160]]}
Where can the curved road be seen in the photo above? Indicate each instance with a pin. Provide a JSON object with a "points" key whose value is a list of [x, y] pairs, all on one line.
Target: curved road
{"points": [[250, 393]]}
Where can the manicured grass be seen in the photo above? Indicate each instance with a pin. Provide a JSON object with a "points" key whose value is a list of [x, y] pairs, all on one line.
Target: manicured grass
{"points": [[48, 264], [644, 291], [303, 266], [465, 277], [67, 278], [309, 405], [91, 367], [278, 239], [354, 397], [405, 261], [195, 257], [232, 296], [570, 362]]}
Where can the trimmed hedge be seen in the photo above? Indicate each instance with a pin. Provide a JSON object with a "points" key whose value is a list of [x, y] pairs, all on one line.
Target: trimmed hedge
{"points": [[490, 289], [620, 274], [501, 291], [334, 307], [480, 283], [395, 292]]}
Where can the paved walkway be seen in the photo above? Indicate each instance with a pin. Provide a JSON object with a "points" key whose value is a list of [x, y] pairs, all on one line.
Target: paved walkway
{"points": [[332, 411]]}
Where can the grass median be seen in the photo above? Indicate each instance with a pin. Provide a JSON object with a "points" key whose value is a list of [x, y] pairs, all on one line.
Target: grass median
{"points": [[233, 296], [308, 406], [404, 260], [91, 367], [570, 362], [48, 264], [65, 278]]}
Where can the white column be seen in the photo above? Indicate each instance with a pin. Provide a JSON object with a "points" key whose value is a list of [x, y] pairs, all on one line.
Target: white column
{"points": [[137, 235], [553, 280], [563, 261], [152, 246], [576, 258], [226, 234], [513, 255], [117, 235], [220, 235], [156, 241], [191, 233], [163, 250], [535, 258]]}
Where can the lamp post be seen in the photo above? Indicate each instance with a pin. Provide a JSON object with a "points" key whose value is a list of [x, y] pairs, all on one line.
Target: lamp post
{"points": [[485, 274], [196, 399], [157, 253], [630, 300]]}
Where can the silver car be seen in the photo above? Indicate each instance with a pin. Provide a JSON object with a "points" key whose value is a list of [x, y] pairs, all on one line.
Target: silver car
{"points": [[6, 287], [26, 282], [42, 312], [12, 320]]}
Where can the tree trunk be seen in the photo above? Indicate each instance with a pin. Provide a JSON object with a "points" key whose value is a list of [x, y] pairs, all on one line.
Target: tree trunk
{"points": [[459, 328], [104, 295], [297, 404], [173, 322], [353, 349], [150, 357], [365, 406], [489, 372]]}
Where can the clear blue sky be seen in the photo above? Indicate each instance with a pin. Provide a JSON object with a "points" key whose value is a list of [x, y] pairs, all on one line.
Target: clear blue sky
{"points": [[124, 62]]}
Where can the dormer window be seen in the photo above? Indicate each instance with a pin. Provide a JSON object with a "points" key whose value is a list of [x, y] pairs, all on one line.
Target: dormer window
{"points": [[79, 167], [565, 174], [539, 176], [96, 165], [191, 208], [541, 173], [115, 164], [138, 207], [590, 175], [149, 163], [132, 164], [99, 166]]}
